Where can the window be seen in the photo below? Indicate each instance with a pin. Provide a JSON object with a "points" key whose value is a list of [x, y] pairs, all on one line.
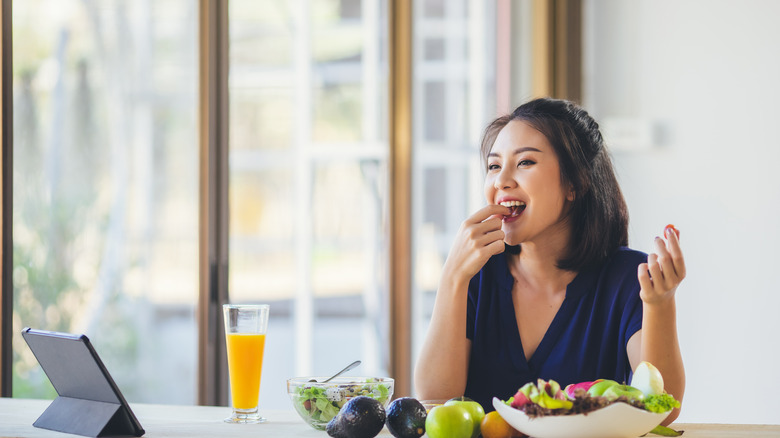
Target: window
{"points": [[106, 188], [308, 192], [106, 178]]}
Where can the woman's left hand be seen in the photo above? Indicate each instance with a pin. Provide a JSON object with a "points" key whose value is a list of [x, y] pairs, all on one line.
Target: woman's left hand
{"points": [[664, 270]]}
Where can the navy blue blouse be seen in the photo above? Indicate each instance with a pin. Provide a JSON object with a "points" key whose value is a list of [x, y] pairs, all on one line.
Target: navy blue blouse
{"points": [[585, 341]]}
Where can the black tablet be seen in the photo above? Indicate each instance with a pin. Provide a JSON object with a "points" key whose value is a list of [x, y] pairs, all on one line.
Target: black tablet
{"points": [[89, 403]]}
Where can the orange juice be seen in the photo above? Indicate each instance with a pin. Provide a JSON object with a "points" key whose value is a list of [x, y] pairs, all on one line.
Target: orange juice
{"points": [[245, 364]]}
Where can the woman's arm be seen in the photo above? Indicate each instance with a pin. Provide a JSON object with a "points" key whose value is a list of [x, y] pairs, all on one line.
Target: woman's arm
{"points": [[442, 366], [657, 342], [441, 369]]}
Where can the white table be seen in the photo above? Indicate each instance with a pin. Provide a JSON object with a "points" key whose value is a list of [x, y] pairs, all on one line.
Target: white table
{"points": [[18, 415]]}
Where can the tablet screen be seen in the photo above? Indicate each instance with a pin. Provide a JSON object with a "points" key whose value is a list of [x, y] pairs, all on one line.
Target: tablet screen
{"points": [[71, 365]]}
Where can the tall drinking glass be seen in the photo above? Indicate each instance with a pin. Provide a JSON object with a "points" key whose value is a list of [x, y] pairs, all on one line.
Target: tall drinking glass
{"points": [[245, 327]]}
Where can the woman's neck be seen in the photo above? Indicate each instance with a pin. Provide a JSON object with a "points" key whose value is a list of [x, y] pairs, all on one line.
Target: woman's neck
{"points": [[537, 264]]}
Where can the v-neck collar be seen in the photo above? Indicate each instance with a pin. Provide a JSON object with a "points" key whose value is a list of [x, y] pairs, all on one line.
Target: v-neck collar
{"points": [[574, 290]]}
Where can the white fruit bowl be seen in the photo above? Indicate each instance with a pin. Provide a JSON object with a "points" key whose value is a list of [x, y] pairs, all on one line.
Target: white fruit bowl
{"points": [[618, 420]]}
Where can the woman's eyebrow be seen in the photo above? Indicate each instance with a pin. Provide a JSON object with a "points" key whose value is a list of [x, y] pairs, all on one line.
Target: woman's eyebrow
{"points": [[517, 151]]}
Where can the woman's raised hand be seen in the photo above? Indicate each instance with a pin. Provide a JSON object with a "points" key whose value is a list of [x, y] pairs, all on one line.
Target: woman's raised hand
{"points": [[479, 238], [664, 270]]}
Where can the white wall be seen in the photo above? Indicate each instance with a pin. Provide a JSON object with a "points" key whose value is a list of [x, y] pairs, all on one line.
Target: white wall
{"points": [[705, 75]]}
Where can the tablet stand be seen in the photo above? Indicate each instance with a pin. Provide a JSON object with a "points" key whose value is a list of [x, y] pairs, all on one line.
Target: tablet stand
{"points": [[86, 417]]}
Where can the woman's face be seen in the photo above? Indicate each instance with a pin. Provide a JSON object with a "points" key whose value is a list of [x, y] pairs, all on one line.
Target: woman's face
{"points": [[523, 173]]}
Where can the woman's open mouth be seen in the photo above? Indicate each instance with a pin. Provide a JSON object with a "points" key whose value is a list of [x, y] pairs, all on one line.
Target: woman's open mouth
{"points": [[515, 207]]}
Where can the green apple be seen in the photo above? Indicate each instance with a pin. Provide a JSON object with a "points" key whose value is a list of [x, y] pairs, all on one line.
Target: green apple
{"points": [[648, 379], [630, 392], [453, 421], [475, 410], [598, 388]]}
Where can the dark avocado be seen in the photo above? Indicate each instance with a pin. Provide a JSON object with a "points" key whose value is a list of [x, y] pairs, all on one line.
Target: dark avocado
{"points": [[406, 418], [361, 417]]}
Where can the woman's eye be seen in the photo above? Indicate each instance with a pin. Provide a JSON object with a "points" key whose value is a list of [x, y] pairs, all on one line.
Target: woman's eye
{"points": [[525, 163], [493, 167]]}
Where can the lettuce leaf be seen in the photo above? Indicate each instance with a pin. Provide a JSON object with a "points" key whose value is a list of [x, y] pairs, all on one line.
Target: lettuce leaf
{"points": [[660, 403]]}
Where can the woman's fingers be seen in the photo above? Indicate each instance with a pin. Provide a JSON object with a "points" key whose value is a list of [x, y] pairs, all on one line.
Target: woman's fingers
{"points": [[492, 236], [664, 260], [675, 252], [496, 247], [484, 226], [479, 238], [664, 269], [485, 213], [655, 269], [670, 255], [484, 232], [645, 282]]}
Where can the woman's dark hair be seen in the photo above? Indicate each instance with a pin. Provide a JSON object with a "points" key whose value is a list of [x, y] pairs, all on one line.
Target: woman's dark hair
{"points": [[598, 214]]}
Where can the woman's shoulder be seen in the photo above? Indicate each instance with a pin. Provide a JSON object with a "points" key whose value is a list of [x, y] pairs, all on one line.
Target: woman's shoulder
{"points": [[615, 279], [626, 255], [621, 264]]}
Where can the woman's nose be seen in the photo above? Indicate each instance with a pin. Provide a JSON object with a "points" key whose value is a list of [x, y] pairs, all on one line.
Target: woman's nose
{"points": [[505, 179]]}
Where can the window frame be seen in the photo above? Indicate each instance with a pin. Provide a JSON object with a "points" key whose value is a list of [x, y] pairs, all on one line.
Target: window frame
{"points": [[6, 204], [213, 34]]}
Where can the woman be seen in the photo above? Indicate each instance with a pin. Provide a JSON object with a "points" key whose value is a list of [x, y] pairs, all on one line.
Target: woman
{"points": [[540, 283]]}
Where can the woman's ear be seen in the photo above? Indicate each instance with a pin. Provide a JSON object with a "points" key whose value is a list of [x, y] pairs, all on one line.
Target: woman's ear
{"points": [[570, 196]]}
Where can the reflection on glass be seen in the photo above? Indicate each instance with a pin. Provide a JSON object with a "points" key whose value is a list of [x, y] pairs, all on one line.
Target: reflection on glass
{"points": [[308, 177], [105, 188]]}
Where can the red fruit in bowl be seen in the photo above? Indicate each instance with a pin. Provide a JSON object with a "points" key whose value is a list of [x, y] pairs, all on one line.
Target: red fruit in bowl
{"points": [[526, 395], [520, 400], [585, 386]]}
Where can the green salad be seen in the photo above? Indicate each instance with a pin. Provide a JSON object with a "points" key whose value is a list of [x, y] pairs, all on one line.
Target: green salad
{"points": [[321, 403]]}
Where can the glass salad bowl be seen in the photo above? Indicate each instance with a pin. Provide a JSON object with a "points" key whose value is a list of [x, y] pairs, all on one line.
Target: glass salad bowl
{"points": [[317, 403]]}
